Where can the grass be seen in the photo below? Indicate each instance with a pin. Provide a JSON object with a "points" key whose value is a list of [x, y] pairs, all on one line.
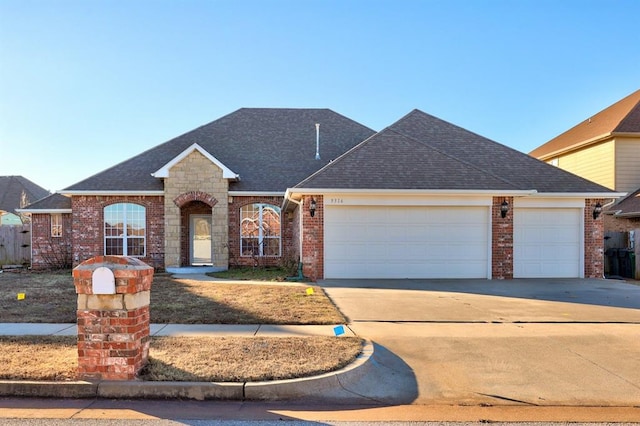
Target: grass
{"points": [[255, 274], [51, 298], [218, 359]]}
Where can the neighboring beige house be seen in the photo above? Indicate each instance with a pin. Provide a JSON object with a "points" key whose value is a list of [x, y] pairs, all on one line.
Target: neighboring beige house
{"points": [[605, 149]]}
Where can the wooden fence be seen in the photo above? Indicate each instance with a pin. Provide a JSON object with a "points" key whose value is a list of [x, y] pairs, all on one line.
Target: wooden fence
{"points": [[15, 245]]}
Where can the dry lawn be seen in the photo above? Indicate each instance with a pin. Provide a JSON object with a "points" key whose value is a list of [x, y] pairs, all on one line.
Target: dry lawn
{"points": [[219, 359], [51, 298]]}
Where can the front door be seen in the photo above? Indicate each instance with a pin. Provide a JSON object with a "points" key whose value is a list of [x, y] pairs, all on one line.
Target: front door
{"points": [[200, 231]]}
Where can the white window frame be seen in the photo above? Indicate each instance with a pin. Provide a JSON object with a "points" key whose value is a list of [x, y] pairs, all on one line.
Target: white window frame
{"points": [[56, 225], [261, 237], [126, 221]]}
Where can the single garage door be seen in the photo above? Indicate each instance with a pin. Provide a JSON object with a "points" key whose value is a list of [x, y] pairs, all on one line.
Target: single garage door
{"points": [[406, 242], [547, 243]]}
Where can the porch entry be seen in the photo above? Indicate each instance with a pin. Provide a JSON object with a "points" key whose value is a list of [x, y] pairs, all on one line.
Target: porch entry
{"points": [[200, 239]]}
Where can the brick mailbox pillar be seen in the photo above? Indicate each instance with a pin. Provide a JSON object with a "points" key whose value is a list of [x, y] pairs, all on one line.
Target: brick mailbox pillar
{"points": [[113, 317]]}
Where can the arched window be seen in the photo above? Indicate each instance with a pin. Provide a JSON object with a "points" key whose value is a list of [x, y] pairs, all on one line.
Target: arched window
{"points": [[125, 230], [260, 230]]}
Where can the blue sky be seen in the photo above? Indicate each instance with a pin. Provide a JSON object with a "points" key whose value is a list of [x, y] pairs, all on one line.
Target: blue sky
{"points": [[87, 84]]}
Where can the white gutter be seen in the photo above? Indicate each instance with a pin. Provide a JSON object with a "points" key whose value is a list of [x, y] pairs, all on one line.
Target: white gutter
{"points": [[256, 194], [320, 191], [64, 192], [45, 211]]}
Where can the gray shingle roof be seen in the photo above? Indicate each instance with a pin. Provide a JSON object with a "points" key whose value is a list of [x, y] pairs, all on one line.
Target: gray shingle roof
{"points": [[629, 206], [423, 152], [12, 188], [270, 148], [51, 202]]}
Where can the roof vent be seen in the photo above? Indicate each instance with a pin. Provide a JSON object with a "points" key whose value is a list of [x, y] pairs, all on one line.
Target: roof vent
{"points": [[317, 141]]}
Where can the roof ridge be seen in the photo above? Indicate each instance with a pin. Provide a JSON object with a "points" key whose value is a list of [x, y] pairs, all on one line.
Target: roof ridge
{"points": [[455, 158], [449, 155]]}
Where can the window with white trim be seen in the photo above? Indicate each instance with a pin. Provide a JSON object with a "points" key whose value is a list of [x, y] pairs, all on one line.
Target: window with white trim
{"points": [[125, 230], [56, 225], [260, 230]]}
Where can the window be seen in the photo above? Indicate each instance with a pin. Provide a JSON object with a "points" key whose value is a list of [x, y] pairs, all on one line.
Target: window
{"points": [[56, 225], [260, 230], [124, 230]]}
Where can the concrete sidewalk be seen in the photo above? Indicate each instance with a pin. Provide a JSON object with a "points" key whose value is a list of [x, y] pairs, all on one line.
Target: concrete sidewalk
{"points": [[249, 330]]}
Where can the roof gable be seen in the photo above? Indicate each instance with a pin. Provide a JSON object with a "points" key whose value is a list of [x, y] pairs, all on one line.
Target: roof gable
{"points": [[163, 172], [423, 152], [621, 117]]}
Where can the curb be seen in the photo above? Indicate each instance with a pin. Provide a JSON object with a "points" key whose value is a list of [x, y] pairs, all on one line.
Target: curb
{"points": [[328, 385]]}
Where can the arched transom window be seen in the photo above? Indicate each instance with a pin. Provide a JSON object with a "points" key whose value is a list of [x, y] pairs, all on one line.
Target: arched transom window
{"points": [[125, 230], [260, 230]]}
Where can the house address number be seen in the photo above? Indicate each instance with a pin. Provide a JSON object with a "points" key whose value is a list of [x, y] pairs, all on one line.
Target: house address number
{"points": [[336, 200]]}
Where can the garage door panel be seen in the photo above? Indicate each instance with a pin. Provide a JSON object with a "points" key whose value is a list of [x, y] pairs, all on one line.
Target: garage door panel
{"points": [[547, 243], [406, 242]]}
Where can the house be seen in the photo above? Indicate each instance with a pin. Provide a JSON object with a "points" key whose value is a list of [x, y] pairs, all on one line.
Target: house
{"points": [[423, 198], [17, 192], [605, 149]]}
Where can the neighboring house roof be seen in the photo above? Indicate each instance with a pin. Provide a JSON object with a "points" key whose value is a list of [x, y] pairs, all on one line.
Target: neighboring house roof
{"points": [[623, 117], [628, 206], [424, 152], [14, 188], [54, 203], [270, 149]]}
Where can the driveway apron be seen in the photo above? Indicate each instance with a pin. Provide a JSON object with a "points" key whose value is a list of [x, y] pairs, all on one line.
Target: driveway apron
{"points": [[534, 342]]}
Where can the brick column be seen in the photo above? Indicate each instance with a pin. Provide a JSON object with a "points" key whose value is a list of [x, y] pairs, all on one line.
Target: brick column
{"points": [[313, 238], [593, 240], [501, 240], [113, 317]]}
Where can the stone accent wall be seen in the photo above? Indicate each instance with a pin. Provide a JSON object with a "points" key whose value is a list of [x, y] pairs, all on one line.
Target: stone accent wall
{"points": [[502, 240], [313, 238], [49, 252], [593, 241], [235, 258], [113, 327], [195, 174], [88, 226]]}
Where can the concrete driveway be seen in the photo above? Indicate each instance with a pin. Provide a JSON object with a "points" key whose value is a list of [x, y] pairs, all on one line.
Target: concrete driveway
{"points": [[535, 342]]}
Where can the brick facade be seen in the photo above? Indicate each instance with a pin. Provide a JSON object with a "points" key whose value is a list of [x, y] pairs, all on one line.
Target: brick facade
{"points": [[49, 252], [501, 239], [88, 225], [593, 241], [313, 238]]}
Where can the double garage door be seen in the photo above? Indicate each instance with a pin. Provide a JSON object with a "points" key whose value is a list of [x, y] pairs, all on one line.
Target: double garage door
{"points": [[406, 242], [446, 242]]}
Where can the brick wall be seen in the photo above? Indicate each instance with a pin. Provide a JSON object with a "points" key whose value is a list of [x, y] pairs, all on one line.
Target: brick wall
{"points": [[502, 240], [235, 259], [50, 252], [313, 238], [88, 226], [593, 241], [620, 224]]}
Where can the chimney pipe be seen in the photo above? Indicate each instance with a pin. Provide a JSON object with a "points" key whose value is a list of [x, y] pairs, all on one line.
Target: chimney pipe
{"points": [[317, 141]]}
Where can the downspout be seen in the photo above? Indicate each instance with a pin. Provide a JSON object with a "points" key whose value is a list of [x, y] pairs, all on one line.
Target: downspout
{"points": [[300, 205]]}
